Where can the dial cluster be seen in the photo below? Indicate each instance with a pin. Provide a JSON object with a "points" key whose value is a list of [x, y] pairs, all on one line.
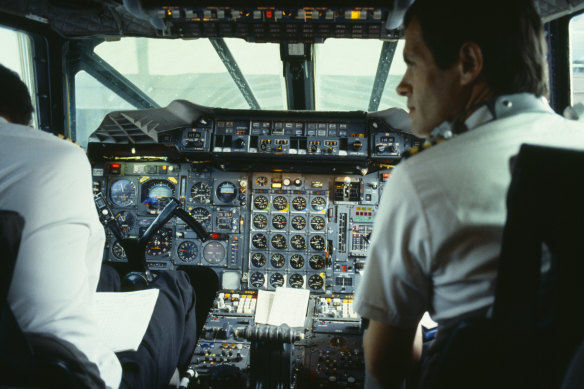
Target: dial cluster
{"points": [[288, 233], [138, 192]]}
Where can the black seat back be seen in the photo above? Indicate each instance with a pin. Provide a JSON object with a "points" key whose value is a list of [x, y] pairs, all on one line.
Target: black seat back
{"points": [[15, 350], [34, 360], [540, 281], [535, 329]]}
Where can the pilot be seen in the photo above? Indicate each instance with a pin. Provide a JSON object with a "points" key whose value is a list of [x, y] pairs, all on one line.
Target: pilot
{"points": [[475, 83], [48, 181]]}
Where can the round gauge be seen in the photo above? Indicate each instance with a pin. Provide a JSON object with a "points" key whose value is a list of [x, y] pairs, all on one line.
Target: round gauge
{"points": [[156, 194], [298, 222], [280, 203], [286, 182], [279, 241], [279, 222], [118, 251], [260, 221], [123, 193], [316, 262], [260, 202], [298, 242], [299, 203], [315, 282], [276, 280], [259, 241], [317, 243], [226, 192], [297, 261], [278, 260], [159, 243], [261, 180], [201, 193], [187, 251], [257, 279], [126, 220], [296, 281], [258, 259], [318, 204], [317, 223], [214, 252], [202, 215]]}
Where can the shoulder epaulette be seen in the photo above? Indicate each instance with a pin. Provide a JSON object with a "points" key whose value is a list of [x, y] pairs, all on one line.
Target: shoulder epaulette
{"points": [[427, 144], [68, 139]]}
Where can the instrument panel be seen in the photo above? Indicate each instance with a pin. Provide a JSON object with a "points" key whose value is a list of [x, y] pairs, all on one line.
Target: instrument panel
{"points": [[298, 230], [293, 202]]}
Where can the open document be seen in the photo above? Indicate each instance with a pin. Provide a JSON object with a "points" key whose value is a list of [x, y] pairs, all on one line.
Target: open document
{"points": [[285, 305], [123, 317]]}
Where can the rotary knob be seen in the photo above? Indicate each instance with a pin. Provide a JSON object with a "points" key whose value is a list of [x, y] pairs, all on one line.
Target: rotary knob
{"points": [[239, 143]]}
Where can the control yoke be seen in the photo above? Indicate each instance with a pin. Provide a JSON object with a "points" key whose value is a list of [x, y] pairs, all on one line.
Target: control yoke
{"points": [[135, 249]]}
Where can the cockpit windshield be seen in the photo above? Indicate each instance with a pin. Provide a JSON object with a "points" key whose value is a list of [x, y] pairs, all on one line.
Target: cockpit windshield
{"points": [[348, 75]]}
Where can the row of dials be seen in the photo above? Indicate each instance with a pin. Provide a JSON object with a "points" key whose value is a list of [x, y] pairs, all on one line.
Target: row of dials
{"points": [[293, 280], [225, 219], [159, 243], [296, 261], [187, 251], [280, 203], [286, 182], [261, 221], [154, 192], [283, 242], [225, 192]]}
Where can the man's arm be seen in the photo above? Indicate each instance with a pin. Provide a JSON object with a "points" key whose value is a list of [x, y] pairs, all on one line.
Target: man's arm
{"points": [[56, 274], [390, 352]]}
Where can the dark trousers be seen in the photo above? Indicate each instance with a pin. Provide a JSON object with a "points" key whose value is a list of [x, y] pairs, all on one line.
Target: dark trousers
{"points": [[170, 338]]}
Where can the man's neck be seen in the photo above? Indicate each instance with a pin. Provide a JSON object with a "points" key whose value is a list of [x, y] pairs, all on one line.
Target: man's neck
{"points": [[479, 93]]}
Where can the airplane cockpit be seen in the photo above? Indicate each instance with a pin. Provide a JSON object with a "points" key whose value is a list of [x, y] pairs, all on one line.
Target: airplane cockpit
{"points": [[269, 129]]}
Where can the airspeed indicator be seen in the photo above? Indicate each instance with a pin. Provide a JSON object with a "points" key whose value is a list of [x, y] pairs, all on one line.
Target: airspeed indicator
{"points": [[187, 251]]}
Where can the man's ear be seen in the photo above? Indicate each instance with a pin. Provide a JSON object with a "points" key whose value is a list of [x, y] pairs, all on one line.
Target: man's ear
{"points": [[470, 62]]}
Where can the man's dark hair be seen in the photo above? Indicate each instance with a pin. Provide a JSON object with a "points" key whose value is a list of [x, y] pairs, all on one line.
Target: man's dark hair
{"points": [[15, 103], [509, 33]]}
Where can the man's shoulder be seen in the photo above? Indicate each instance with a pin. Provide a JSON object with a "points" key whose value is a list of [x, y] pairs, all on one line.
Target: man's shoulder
{"points": [[37, 152], [28, 137]]}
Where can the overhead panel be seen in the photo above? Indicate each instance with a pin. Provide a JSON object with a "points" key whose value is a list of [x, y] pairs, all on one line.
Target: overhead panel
{"points": [[278, 23]]}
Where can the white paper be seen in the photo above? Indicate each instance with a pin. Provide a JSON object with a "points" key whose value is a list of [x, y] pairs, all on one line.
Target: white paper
{"points": [[427, 321], [289, 306], [263, 306], [123, 317]]}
